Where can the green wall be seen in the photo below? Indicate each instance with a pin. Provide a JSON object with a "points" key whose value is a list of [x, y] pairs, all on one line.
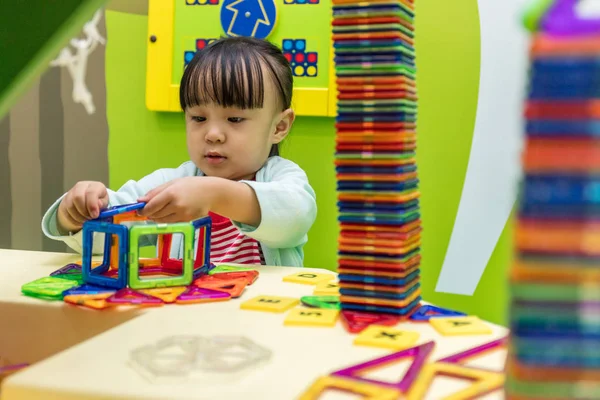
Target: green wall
{"points": [[142, 141]]}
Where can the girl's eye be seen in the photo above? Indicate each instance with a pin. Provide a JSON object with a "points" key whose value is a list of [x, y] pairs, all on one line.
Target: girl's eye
{"points": [[235, 120], [198, 119]]}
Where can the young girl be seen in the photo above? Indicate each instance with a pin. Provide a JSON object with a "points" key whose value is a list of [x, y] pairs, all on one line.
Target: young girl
{"points": [[236, 95]]}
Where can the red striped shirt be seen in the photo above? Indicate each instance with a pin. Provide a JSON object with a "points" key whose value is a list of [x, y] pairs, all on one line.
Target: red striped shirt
{"points": [[229, 245]]}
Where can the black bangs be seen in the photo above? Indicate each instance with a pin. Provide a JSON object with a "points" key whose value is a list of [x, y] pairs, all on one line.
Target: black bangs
{"points": [[226, 73]]}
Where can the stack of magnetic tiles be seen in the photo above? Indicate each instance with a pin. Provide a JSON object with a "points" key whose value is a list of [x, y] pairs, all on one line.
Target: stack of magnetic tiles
{"points": [[555, 279], [378, 197]]}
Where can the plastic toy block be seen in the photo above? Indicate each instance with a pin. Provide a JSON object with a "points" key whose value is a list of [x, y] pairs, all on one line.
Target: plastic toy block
{"points": [[204, 226], [194, 294], [386, 337], [270, 303], [455, 326], [406, 302], [426, 312], [235, 287], [327, 289], [68, 269], [131, 297], [168, 295], [419, 355], [72, 277], [95, 275], [135, 282], [308, 278], [143, 262], [484, 382], [530, 389], [549, 373], [87, 289], [367, 391], [250, 276], [153, 271], [326, 302], [50, 288], [464, 356], [198, 272], [94, 263], [219, 269], [130, 216], [120, 209], [311, 317], [563, 19], [96, 301], [357, 321]]}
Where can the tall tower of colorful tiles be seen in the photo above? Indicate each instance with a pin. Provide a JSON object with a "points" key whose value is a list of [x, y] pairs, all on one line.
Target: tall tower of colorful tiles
{"points": [[555, 277], [377, 182]]}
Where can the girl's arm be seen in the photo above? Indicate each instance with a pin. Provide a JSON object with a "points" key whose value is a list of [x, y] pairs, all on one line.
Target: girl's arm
{"points": [[128, 193], [281, 205]]}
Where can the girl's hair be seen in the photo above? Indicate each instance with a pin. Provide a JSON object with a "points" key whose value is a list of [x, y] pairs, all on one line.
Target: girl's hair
{"points": [[229, 73]]}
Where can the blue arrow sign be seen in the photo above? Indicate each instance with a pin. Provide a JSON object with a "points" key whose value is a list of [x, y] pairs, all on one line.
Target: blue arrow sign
{"points": [[254, 18]]}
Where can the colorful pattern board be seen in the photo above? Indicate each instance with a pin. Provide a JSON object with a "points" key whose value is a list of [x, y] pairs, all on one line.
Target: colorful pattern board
{"points": [[377, 182], [555, 278]]}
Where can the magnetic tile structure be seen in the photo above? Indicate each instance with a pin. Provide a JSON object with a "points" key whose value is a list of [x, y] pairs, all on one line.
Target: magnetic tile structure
{"points": [[555, 276], [377, 182], [303, 62]]}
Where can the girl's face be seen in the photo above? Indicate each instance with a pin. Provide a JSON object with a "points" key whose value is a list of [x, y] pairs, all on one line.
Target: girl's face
{"points": [[234, 143]]}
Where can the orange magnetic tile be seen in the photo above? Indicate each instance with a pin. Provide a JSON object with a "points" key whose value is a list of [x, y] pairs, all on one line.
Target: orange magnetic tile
{"points": [[550, 374], [543, 45], [95, 301], [379, 288], [372, 228], [381, 302], [235, 287], [381, 250], [373, 177], [558, 237], [540, 271], [549, 155], [371, 272]]}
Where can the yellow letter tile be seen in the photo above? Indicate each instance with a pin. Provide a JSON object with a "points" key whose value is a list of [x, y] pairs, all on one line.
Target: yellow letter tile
{"points": [[387, 337], [308, 278], [270, 303], [311, 317], [327, 289], [454, 326]]}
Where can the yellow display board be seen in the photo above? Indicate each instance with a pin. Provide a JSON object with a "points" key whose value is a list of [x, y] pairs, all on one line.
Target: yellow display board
{"points": [[302, 28]]}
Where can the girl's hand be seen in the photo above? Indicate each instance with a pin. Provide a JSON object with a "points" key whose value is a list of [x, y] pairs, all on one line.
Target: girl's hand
{"points": [[83, 202], [181, 200]]}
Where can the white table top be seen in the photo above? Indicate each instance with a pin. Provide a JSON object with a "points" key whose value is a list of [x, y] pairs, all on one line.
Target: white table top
{"points": [[98, 368], [19, 267]]}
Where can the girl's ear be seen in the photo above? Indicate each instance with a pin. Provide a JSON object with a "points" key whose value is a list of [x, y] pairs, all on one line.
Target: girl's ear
{"points": [[283, 126]]}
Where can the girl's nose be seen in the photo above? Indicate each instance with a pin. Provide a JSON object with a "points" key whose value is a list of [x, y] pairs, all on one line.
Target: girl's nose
{"points": [[215, 135]]}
